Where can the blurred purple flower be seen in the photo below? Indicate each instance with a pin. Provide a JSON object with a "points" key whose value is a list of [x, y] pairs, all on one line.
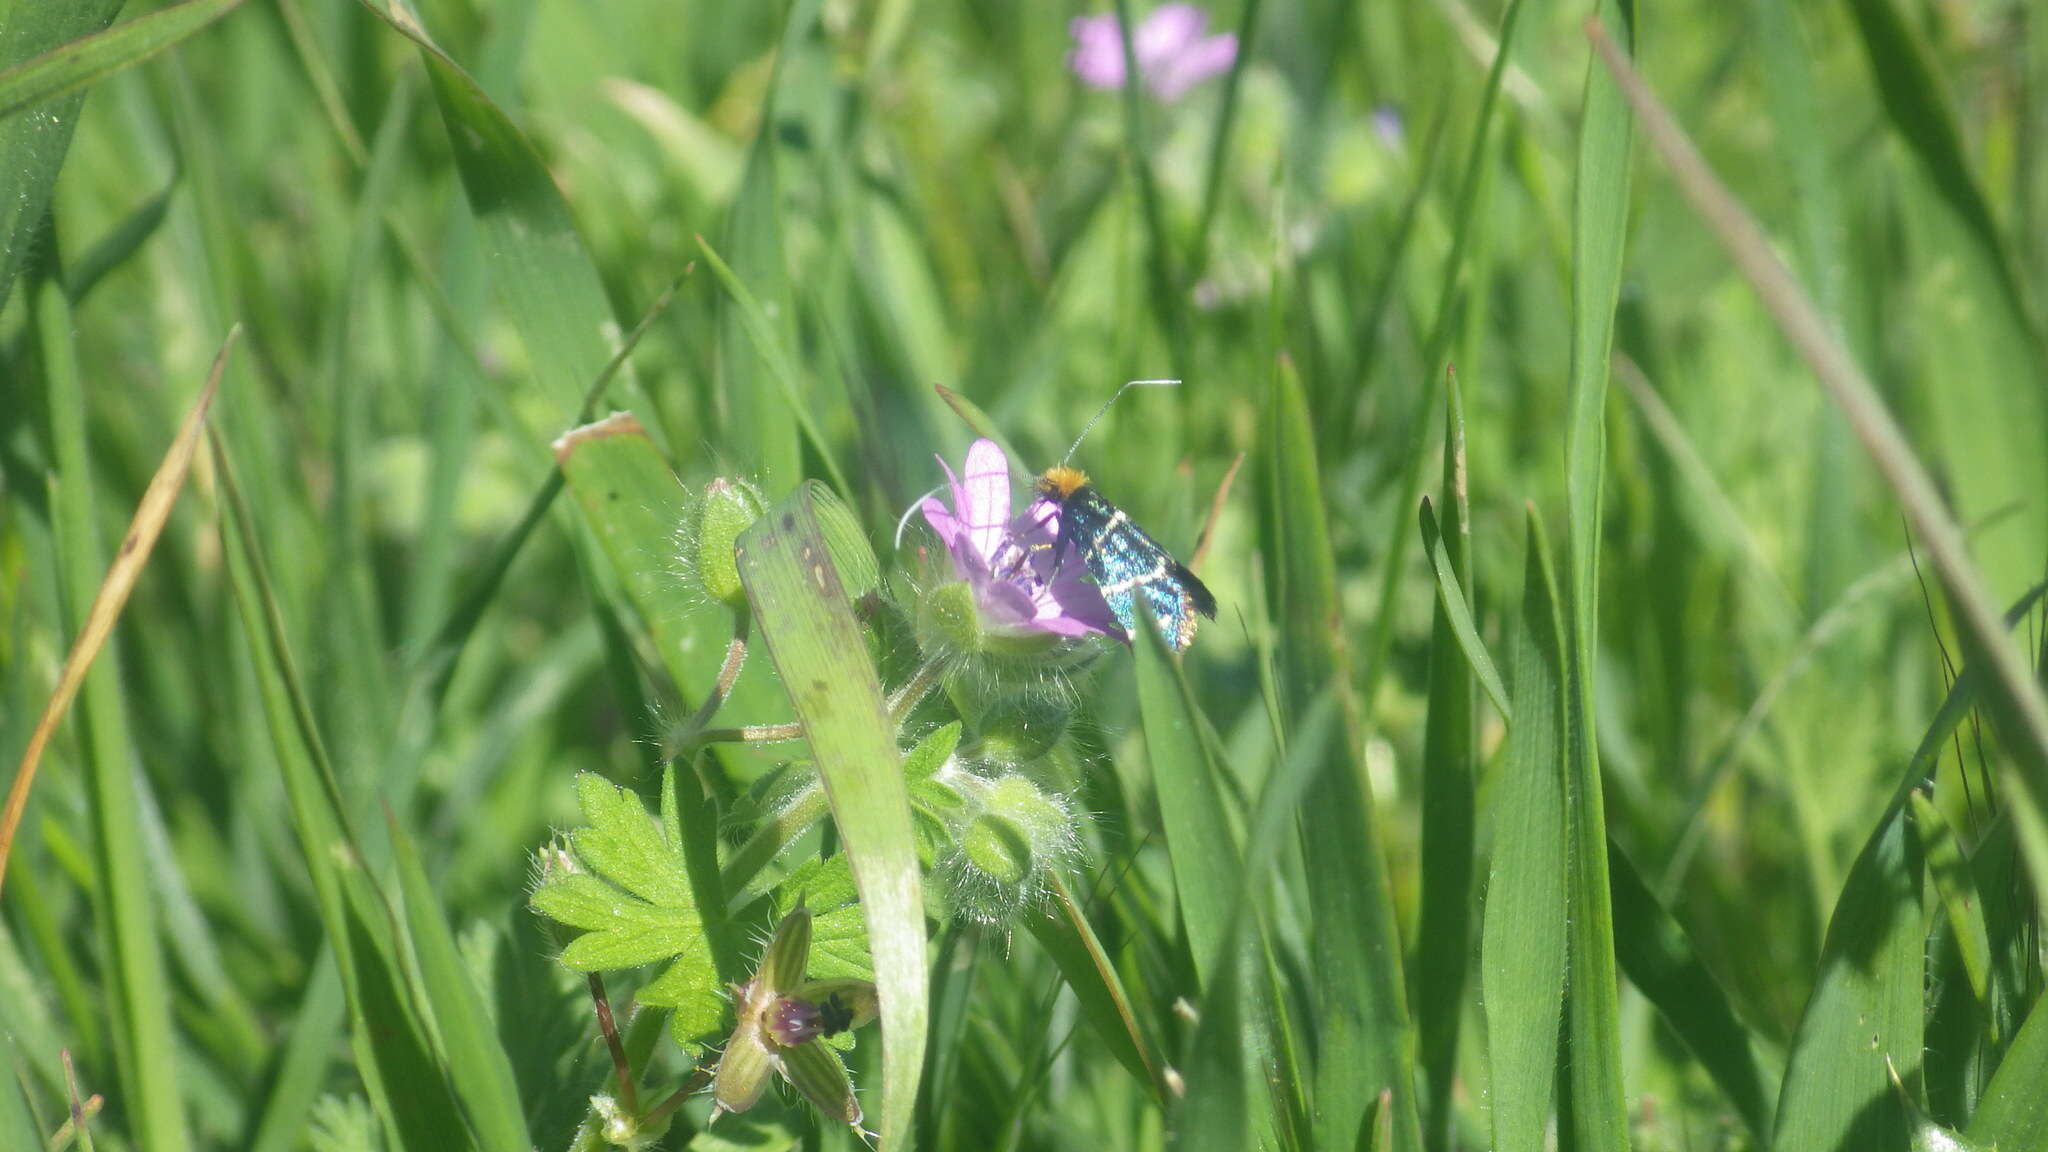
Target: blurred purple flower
{"points": [[1389, 126], [1007, 562], [1172, 53]]}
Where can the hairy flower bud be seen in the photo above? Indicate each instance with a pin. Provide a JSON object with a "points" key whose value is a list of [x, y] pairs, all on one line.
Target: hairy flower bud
{"points": [[728, 507], [1013, 837]]}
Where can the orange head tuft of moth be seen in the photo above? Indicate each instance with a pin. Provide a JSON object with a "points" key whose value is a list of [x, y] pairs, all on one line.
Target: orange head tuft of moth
{"points": [[1060, 481]]}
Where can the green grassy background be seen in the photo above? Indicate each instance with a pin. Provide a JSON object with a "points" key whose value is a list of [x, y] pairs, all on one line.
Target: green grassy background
{"points": [[1681, 902]]}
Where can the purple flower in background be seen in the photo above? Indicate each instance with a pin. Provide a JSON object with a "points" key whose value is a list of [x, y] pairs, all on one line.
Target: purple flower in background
{"points": [[1008, 563], [1172, 53], [1388, 125]]}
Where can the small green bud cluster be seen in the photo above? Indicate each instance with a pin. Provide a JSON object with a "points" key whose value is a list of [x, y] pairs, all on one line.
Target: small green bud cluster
{"points": [[1009, 836]]}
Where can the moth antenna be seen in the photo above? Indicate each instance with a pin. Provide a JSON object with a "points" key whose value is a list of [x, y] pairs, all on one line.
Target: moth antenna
{"points": [[1104, 411], [904, 521]]}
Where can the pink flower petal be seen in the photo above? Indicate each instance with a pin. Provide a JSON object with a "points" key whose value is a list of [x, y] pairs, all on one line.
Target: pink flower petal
{"points": [[1171, 79], [985, 507], [1098, 55], [1165, 34]]}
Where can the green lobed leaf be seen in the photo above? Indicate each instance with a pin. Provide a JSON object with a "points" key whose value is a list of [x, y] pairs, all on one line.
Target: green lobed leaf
{"points": [[808, 626], [1522, 936], [636, 906]]}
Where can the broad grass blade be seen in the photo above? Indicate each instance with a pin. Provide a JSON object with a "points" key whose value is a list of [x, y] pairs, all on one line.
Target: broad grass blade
{"points": [[1600, 227], [808, 626], [1522, 947], [2013, 1112], [1957, 889], [1070, 940]]}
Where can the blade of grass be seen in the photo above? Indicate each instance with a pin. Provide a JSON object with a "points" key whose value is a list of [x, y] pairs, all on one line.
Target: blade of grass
{"points": [[763, 424], [1522, 933], [1865, 1008], [32, 148], [137, 544], [1444, 936], [773, 348], [83, 62], [140, 993], [405, 1083], [2013, 1112], [1957, 889], [469, 1041], [122, 241], [540, 267], [1457, 614], [1367, 1042], [1469, 217], [1662, 964], [808, 626], [1600, 227], [2015, 697], [1070, 940]]}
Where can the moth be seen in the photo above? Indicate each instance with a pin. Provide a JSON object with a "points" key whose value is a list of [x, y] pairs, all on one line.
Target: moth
{"points": [[1126, 563]]}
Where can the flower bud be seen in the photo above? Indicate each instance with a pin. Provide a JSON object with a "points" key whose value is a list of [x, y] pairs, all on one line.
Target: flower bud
{"points": [[1005, 851], [727, 509]]}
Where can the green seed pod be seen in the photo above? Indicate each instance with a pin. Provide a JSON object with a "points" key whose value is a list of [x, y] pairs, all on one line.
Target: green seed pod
{"points": [[728, 508], [816, 1071], [1023, 727]]}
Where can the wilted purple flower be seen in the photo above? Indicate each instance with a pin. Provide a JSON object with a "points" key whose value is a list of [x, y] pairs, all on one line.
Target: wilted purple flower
{"points": [[1008, 563], [1173, 54]]}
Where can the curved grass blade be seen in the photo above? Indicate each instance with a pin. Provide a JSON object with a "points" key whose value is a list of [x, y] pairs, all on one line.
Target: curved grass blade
{"points": [[120, 242], [1450, 598], [540, 267], [1866, 1005], [770, 345], [73, 66], [1367, 1042], [405, 1082], [112, 595], [1661, 963], [808, 626], [1070, 940], [1522, 949]]}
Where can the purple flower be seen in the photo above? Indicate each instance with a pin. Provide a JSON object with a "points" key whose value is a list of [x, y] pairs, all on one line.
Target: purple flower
{"points": [[1172, 53], [1008, 563]]}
